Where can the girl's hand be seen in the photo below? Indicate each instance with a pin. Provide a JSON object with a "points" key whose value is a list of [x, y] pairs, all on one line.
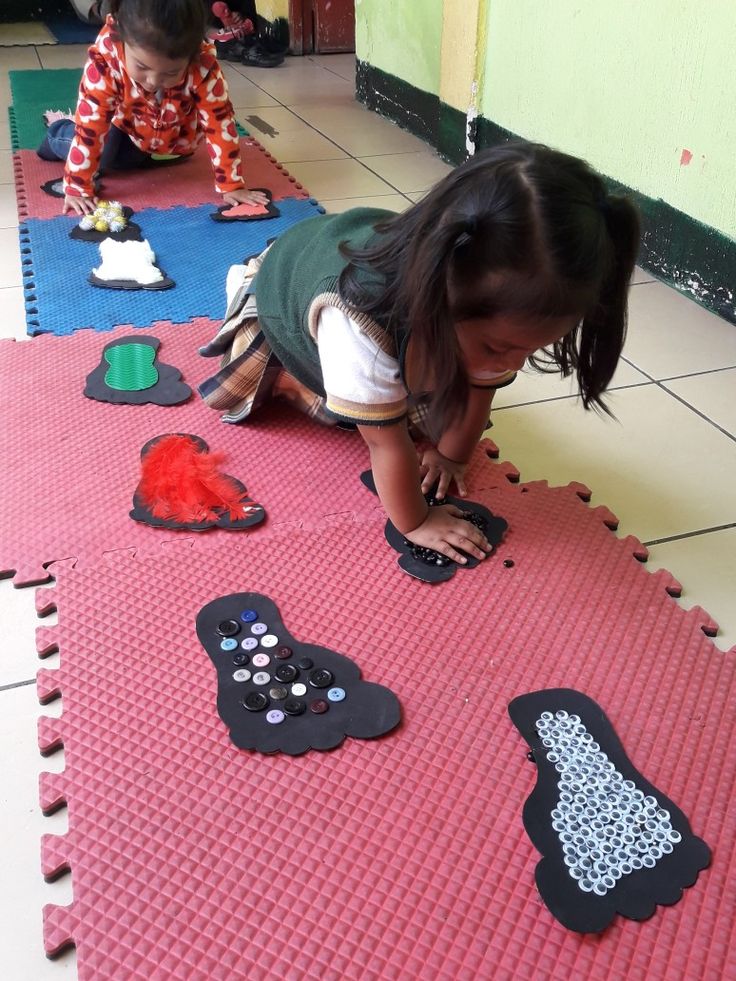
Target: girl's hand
{"points": [[435, 467], [80, 206], [244, 196], [447, 532]]}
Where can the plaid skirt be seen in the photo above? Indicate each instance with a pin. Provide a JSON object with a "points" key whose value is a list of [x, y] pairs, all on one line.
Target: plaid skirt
{"points": [[249, 369]]}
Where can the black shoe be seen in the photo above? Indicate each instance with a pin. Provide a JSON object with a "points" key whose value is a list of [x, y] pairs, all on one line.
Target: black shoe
{"points": [[257, 57], [229, 50]]}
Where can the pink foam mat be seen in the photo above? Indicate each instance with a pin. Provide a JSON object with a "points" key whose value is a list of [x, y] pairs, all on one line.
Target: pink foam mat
{"points": [[403, 857], [188, 183], [70, 465]]}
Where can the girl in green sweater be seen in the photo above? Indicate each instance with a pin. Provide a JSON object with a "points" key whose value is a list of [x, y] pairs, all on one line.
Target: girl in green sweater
{"points": [[410, 322]]}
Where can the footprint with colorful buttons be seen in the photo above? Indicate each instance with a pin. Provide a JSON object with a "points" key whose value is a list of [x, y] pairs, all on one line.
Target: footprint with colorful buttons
{"points": [[611, 842], [181, 487], [277, 694], [129, 374], [247, 212], [427, 564]]}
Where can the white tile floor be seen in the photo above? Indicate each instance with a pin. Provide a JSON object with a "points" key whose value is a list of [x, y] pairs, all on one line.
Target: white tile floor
{"points": [[666, 465]]}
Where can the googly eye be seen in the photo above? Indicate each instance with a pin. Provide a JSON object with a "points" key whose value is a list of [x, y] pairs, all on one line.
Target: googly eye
{"points": [[600, 889]]}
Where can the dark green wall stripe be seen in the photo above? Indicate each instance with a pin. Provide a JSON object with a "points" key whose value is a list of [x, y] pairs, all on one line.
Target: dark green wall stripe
{"points": [[695, 258]]}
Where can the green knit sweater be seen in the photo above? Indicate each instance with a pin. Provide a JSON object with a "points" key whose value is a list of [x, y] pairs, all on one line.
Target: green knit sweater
{"points": [[299, 277]]}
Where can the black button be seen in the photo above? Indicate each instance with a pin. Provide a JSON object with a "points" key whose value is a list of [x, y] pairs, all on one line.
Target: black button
{"points": [[283, 652], [256, 701], [305, 663], [228, 628], [240, 659], [319, 705], [508, 563], [293, 706], [321, 678], [278, 693], [286, 673]]}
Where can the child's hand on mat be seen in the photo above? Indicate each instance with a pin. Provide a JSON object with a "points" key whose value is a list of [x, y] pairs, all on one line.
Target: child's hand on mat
{"points": [[445, 530], [77, 205], [244, 196], [435, 467]]}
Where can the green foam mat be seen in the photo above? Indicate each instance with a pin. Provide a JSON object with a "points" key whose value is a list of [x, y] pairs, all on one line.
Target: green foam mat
{"points": [[36, 90]]}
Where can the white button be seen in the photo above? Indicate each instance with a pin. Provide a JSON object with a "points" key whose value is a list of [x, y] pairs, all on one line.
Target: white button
{"points": [[275, 716], [261, 660], [269, 640], [298, 689], [241, 675], [261, 678], [258, 628], [249, 644]]}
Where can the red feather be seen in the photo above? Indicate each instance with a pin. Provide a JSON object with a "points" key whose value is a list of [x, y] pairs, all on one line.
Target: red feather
{"points": [[180, 482]]}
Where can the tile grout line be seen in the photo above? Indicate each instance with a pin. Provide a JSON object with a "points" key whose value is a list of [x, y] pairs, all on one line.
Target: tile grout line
{"points": [[697, 374], [18, 684], [351, 156], [682, 401], [572, 395], [689, 534]]}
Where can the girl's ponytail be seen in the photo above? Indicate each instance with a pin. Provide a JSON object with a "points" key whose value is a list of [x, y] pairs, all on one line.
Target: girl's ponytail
{"points": [[603, 329]]}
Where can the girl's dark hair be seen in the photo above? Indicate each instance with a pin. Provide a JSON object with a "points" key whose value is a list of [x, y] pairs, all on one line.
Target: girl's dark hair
{"points": [[519, 229], [172, 28]]}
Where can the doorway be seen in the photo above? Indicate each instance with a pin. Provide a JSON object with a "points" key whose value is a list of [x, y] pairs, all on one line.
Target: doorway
{"points": [[322, 26]]}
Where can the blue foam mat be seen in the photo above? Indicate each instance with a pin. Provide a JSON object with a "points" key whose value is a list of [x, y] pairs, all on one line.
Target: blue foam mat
{"points": [[69, 30], [190, 248]]}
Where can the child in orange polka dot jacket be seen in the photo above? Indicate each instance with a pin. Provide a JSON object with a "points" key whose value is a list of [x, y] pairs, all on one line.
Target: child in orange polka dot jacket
{"points": [[151, 85]]}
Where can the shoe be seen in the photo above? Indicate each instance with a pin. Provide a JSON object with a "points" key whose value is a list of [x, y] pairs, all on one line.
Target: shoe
{"points": [[257, 57], [229, 50]]}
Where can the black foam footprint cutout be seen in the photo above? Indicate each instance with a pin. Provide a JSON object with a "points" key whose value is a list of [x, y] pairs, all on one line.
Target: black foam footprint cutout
{"points": [[131, 233], [427, 564], [611, 841], [54, 187], [179, 479], [129, 373], [247, 212], [278, 694]]}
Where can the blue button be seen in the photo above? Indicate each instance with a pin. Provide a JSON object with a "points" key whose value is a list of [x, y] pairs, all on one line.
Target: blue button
{"points": [[336, 694], [249, 643], [275, 716], [228, 644], [248, 616], [258, 628]]}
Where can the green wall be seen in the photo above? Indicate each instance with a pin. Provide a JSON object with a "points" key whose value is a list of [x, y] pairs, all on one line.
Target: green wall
{"points": [[402, 38], [640, 88], [643, 89]]}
